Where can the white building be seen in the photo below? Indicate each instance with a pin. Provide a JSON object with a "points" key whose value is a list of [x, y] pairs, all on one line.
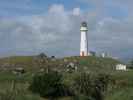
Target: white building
{"points": [[84, 40], [103, 55], [121, 67]]}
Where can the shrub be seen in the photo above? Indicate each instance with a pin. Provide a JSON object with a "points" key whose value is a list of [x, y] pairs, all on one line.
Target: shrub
{"points": [[90, 86], [48, 85], [102, 81], [8, 95], [84, 85]]}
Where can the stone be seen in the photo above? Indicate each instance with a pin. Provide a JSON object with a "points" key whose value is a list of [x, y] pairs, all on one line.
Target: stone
{"points": [[19, 70], [71, 67]]}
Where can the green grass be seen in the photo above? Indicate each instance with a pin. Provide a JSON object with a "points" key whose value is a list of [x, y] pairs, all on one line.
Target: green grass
{"points": [[123, 89], [121, 94], [92, 65], [17, 59], [9, 76]]}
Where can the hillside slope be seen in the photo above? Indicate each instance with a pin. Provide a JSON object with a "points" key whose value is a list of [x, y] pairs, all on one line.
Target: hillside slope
{"points": [[33, 64], [36, 62]]}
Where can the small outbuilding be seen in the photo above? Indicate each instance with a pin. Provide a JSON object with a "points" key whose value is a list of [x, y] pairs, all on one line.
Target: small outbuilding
{"points": [[121, 67]]}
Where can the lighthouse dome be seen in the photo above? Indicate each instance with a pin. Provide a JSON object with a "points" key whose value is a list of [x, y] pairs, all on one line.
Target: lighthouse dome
{"points": [[84, 24]]}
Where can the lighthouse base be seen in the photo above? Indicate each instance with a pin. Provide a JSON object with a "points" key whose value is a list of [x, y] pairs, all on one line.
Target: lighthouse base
{"points": [[83, 54]]}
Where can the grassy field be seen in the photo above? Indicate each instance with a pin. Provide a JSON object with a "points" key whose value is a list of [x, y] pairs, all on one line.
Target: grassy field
{"points": [[124, 86], [123, 89]]}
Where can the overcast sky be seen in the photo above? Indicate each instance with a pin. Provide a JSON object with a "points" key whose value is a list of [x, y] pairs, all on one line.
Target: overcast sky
{"points": [[29, 27]]}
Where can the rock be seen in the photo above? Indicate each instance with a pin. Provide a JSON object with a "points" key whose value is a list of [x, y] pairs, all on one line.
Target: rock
{"points": [[42, 70], [71, 67], [19, 70]]}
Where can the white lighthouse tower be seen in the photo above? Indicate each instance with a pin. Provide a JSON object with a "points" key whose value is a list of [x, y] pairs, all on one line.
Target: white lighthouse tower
{"points": [[84, 40]]}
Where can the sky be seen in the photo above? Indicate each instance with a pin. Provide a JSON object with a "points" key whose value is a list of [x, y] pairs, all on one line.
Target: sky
{"points": [[29, 27]]}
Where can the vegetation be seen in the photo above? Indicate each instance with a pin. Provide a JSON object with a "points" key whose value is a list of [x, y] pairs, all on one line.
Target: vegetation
{"points": [[130, 64], [92, 87], [94, 79], [48, 85]]}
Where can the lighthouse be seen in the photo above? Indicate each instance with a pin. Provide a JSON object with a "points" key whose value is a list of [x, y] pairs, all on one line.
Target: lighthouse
{"points": [[84, 39]]}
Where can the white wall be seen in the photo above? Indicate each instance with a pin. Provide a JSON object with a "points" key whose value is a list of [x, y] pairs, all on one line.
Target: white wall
{"points": [[121, 67]]}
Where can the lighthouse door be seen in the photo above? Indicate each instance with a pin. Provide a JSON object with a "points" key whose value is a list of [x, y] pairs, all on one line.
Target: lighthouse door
{"points": [[83, 54]]}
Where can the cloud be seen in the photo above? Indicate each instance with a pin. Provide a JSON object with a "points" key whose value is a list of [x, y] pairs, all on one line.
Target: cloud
{"points": [[36, 33], [57, 33], [11, 8], [114, 36], [56, 8], [76, 11]]}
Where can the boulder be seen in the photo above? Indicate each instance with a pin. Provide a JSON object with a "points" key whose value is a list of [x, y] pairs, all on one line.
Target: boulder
{"points": [[19, 70], [71, 67]]}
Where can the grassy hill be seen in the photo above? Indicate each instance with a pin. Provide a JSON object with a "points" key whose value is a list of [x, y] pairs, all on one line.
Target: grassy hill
{"points": [[95, 63], [29, 62], [33, 64]]}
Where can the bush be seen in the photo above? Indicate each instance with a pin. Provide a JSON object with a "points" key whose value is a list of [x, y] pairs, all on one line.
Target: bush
{"points": [[8, 95], [48, 85], [82, 97], [102, 81], [91, 86]]}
